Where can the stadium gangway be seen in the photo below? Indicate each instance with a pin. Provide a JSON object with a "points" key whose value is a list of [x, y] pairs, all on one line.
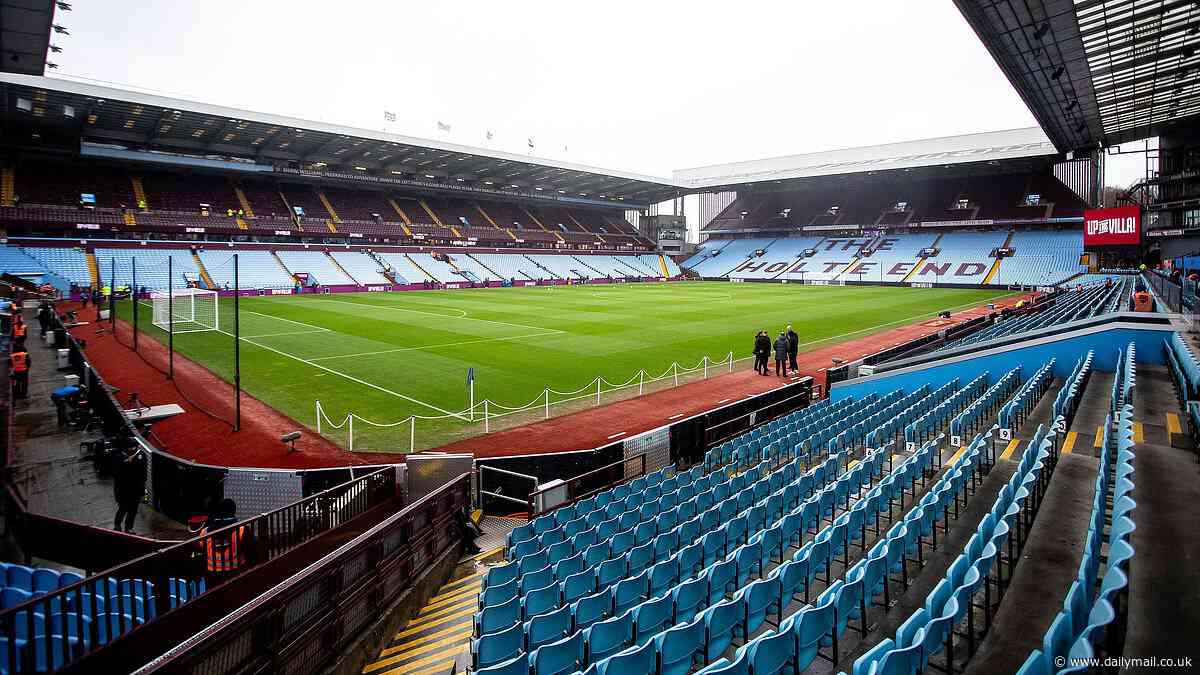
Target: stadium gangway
{"points": [[1067, 400]]}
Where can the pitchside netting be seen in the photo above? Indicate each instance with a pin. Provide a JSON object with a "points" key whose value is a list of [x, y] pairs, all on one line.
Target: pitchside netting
{"points": [[185, 310]]}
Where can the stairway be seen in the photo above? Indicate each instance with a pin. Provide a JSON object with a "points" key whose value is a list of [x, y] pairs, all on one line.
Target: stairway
{"points": [[241, 224], [539, 224], [341, 269], [584, 229], [208, 282], [283, 267], [437, 639], [139, 193], [662, 263], [484, 266], [996, 265], [404, 220], [244, 202], [920, 259], [489, 219], [93, 268], [8, 180], [433, 216], [328, 207], [128, 219], [427, 275]]}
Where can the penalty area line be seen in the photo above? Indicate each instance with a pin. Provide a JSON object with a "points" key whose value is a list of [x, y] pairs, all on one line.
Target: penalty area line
{"points": [[351, 378]]}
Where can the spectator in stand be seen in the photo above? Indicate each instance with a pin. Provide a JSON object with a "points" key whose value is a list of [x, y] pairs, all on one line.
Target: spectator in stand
{"points": [[18, 369], [793, 348], [129, 483], [781, 354], [762, 347]]}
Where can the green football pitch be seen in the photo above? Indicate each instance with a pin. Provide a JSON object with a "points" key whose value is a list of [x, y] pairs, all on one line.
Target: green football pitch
{"points": [[386, 357]]}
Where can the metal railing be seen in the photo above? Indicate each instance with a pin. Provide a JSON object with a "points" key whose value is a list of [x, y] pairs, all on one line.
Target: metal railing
{"points": [[304, 623], [498, 495], [590, 483], [72, 621]]}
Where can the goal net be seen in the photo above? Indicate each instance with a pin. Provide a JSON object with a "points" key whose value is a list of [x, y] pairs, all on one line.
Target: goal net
{"points": [[185, 310]]}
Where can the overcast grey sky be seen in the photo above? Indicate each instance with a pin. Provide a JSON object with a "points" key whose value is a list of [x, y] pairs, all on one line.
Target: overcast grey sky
{"points": [[643, 86]]}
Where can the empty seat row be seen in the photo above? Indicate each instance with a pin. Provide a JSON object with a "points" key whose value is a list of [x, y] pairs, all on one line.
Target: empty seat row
{"points": [[1092, 621], [932, 628]]}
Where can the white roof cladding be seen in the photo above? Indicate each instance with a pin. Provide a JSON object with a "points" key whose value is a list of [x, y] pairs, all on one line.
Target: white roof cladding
{"points": [[969, 148]]}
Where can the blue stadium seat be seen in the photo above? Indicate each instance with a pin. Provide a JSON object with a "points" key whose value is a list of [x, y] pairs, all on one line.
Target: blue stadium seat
{"points": [[605, 638], [489, 650], [680, 647], [558, 658]]}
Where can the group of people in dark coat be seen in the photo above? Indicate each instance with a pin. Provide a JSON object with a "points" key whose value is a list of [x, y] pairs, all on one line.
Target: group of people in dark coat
{"points": [[785, 348]]}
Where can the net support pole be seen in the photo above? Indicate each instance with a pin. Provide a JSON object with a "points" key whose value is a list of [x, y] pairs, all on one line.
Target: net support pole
{"points": [[112, 293], [486, 427], [133, 261], [237, 350], [706, 367], [547, 392], [412, 436], [597, 391], [675, 370], [351, 425], [641, 381], [731, 362], [170, 318], [318, 418]]}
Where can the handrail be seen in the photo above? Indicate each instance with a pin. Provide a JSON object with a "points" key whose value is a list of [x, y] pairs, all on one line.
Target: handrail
{"points": [[164, 580], [571, 484], [396, 550]]}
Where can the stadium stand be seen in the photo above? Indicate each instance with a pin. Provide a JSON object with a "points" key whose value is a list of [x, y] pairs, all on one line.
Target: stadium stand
{"points": [[509, 266], [364, 269], [724, 260], [67, 262], [1042, 258], [1069, 306], [257, 269], [153, 267], [778, 258], [319, 266]]}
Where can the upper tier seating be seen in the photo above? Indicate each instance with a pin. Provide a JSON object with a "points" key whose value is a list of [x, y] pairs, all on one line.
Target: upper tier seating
{"points": [[256, 269], [318, 266], [185, 193]]}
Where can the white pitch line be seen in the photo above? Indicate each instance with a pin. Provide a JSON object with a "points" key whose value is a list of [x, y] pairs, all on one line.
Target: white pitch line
{"points": [[675, 416], [350, 377], [295, 332], [446, 344], [464, 316], [280, 318], [616, 435]]}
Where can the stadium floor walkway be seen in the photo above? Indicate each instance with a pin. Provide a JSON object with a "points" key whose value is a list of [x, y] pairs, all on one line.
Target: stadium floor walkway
{"points": [[1052, 553], [47, 466], [1164, 588]]}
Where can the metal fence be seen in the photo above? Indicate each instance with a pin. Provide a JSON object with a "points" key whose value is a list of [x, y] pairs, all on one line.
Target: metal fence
{"points": [[74, 620], [302, 625]]}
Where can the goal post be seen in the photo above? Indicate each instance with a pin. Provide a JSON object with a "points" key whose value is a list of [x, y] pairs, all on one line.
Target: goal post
{"points": [[185, 310]]}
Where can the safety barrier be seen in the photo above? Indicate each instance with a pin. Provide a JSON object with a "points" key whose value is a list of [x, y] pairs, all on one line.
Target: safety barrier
{"points": [[484, 412]]}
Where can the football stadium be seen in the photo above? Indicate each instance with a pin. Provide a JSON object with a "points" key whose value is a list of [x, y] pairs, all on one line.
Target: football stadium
{"points": [[290, 395]]}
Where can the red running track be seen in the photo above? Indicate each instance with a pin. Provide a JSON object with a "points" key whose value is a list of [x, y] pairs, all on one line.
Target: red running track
{"points": [[203, 434]]}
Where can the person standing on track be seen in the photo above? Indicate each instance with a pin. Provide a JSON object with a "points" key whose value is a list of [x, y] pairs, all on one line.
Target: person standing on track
{"points": [[18, 369], [781, 354], [129, 484], [762, 347], [793, 348]]}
